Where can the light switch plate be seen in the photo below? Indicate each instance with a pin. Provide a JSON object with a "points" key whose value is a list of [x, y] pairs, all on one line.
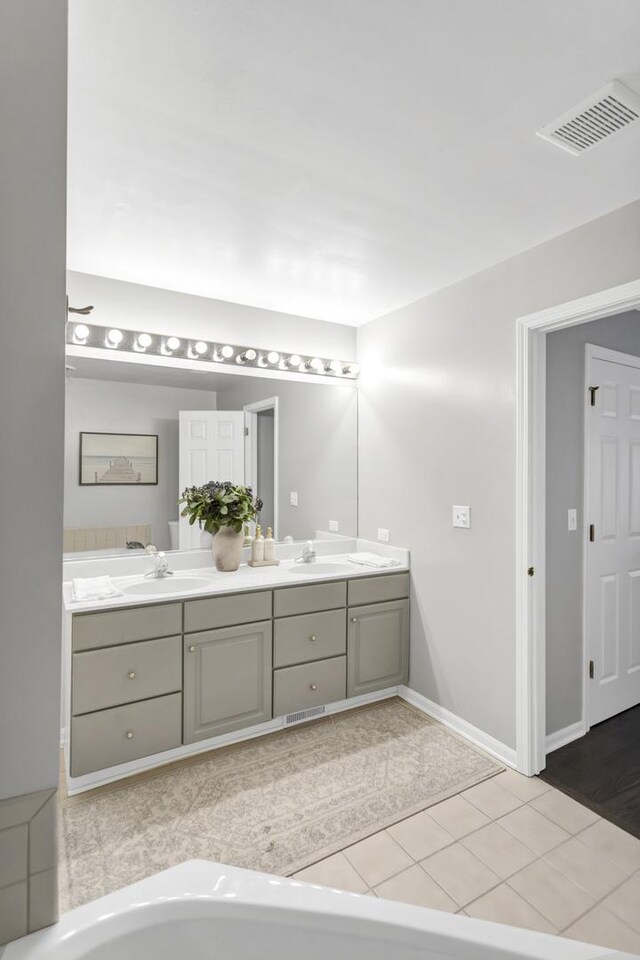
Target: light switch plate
{"points": [[572, 519], [293, 499], [383, 535], [334, 526], [461, 517]]}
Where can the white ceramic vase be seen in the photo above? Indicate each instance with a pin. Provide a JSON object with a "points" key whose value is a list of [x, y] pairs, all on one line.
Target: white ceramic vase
{"points": [[226, 546]]}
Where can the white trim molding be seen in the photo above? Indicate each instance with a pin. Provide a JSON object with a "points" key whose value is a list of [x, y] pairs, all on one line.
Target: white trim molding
{"points": [[479, 738], [531, 334], [567, 735]]}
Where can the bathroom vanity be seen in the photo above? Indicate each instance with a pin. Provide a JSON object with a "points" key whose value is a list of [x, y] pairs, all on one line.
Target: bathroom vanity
{"points": [[250, 653]]}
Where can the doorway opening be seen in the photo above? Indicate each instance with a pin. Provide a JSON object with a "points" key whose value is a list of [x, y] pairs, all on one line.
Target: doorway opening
{"points": [[535, 599], [261, 458]]}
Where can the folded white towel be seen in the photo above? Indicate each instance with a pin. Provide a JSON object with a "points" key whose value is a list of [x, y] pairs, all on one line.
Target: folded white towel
{"points": [[373, 560], [94, 588]]}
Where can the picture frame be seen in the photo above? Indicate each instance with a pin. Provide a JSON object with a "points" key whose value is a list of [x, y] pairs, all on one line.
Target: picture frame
{"points": [[118, 459]]}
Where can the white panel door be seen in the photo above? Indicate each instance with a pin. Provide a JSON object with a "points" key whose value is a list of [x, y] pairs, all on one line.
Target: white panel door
{"points": [[211, 448], [612, 602]]}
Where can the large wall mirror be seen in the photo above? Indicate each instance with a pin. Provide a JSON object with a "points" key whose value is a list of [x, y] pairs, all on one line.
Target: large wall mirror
{"points": [[137, 434]]}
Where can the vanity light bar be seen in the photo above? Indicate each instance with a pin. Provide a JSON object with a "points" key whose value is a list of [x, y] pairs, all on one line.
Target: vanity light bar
{"points": [[132, 341]]}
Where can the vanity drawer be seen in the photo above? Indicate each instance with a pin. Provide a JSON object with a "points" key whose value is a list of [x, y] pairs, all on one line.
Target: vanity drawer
{"points": [[378, 589], [309, 685], [135, 671], [290, 601], [100, 740], [91, 630], [312, 636], [227, 611]]}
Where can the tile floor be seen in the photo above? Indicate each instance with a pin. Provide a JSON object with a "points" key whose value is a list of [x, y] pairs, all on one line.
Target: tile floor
{"points": [[511, 849]]}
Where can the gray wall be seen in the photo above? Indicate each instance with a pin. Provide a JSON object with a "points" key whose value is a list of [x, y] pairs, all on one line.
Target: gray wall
{"points": [[437, 428], [318, 440], [33, 97], [134, 306], [114, 407], [565, 466]]}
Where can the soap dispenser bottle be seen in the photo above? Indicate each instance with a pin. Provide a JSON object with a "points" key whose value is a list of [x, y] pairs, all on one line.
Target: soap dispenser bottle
{"points": [[257, 547], [269, 546]]}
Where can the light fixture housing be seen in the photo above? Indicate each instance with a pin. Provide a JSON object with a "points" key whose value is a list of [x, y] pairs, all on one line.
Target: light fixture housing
{"points": [[92, 336]]}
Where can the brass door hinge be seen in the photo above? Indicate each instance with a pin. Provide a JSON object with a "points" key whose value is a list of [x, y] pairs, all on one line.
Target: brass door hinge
{"points": [[592, 391], [591, 669], [592, 532]]}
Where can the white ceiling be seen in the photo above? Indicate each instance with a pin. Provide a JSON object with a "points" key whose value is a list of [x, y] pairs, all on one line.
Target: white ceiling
{"points": [[334, 158]]}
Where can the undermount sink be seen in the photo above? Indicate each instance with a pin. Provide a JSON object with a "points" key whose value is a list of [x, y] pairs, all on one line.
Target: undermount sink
{"points": [[319, 569], [149, 588]]}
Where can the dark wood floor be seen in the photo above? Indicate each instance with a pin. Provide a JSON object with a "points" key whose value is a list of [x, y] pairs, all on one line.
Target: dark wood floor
{"points": [[602, 770]]}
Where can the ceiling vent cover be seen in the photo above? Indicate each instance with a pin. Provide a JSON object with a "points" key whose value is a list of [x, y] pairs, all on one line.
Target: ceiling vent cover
{"points": [[597, 118]]}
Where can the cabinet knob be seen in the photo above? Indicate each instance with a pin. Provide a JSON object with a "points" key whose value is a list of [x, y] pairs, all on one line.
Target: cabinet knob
{"points": [[313, 637], [129, 734], [132, 675], [354, 619], [313, 686], [192, 649]]}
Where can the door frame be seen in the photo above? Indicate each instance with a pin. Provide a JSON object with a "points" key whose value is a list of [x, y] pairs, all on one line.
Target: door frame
{"points": [[592, 352], [251, 411], [531, 332]]}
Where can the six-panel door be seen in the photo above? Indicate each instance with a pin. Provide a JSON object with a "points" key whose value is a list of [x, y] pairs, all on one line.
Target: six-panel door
{"points": [[377, 646], [227, 679]]}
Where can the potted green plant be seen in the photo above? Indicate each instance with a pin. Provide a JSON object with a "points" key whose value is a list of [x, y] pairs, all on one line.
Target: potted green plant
{"points": [[222, 509]]}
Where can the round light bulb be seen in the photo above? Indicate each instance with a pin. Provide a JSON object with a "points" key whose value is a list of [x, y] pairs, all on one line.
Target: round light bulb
{"points": [[352, 368], [81, 332], [273, 357], [115, 337], [295, 360], [144, 341], [173, 343], [336, 366], [227, 352], [315, 363], [200, 347], [246, 355]]}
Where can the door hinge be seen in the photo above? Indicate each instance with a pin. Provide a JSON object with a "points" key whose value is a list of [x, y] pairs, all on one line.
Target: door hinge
{"points": [[531, 572], [591, 669], [592, 532], [592, 391], [246, 431]]}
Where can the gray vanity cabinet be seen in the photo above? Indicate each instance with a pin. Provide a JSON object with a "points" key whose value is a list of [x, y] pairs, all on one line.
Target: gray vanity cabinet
{"points": [[227, 679], [377, 646]]}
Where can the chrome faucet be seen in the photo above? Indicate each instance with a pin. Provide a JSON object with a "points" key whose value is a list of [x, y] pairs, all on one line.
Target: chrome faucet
{"points": [[160, 567], [308, 554]]}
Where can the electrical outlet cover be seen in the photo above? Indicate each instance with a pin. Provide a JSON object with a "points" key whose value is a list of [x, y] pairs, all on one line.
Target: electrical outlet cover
{"points": [[461, 517], [383, 535]]}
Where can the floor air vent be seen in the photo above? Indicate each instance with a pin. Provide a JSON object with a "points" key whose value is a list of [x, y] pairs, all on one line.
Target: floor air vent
{"points": [[303, 715], [595, 119]]}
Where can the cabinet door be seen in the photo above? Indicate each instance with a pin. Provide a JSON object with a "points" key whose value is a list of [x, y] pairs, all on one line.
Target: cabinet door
{"points": [[227, 679], [377, 646]]}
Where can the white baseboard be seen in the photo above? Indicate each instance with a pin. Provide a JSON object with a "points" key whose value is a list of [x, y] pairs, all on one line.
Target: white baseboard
{"points": [[567, 735], [479, 738]]}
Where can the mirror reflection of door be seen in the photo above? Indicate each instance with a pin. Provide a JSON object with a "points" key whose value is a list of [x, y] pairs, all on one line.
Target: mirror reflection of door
{"points": [[261, 458], [211, 448]]}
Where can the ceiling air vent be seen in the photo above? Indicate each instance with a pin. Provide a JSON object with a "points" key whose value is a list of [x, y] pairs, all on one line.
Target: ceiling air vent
{"points": [[597, 118]]}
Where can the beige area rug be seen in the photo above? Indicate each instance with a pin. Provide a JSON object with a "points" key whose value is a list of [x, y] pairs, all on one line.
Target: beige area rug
{"points": [[276, 804]]}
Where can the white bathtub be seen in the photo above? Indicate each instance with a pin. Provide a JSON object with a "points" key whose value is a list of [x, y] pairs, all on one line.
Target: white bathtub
{"points": [[205, 911]]}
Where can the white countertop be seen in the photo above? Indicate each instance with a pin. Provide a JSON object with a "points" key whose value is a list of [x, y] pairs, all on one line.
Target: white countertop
{"points": [[246, 578]]}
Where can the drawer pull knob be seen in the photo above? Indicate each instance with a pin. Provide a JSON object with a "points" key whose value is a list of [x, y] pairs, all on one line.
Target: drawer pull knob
{"points": [[313, 637], [313, 686], [354, 619], [129, 734], [132, 675], [192, 649]]}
